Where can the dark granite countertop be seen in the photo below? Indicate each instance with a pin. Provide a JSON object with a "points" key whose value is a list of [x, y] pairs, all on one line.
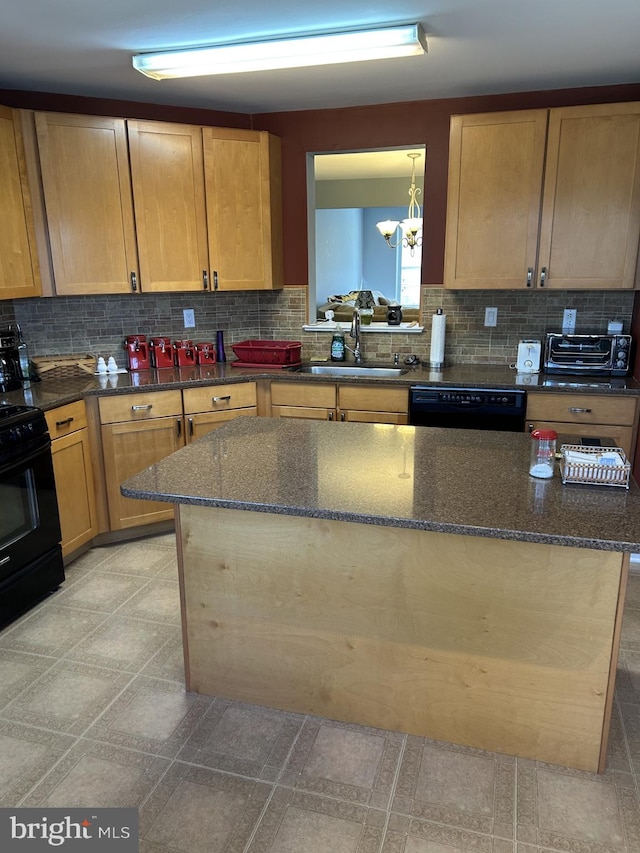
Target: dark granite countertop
{"points": [[56, 392], [453, 481]]}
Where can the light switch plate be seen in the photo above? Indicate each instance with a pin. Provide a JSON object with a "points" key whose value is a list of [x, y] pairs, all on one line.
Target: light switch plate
{"points": [[491, 316], [189, 318]]}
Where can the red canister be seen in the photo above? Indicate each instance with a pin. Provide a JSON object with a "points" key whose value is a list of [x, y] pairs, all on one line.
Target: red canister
{"points": [[206, 353], [161, 352], [184, 353], [137, 351]]}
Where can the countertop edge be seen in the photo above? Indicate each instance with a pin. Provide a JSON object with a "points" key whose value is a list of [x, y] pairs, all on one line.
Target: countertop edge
{"points": [[53, 393], [388, 521]]}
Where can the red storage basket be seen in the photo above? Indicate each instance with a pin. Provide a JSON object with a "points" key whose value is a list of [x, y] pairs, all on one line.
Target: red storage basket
{"points": [[268, 352]]}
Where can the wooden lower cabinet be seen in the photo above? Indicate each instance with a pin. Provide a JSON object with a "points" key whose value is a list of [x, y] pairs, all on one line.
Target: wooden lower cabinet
{"points": [[205, 409], [373, 405], [311, 400], [133, 438], [355, 403], [73, 474], [588, 415]]}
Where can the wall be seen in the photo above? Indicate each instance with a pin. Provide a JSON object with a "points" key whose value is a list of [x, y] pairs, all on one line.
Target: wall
{"points": [[93, 323], [387, 126], [97, 325]]}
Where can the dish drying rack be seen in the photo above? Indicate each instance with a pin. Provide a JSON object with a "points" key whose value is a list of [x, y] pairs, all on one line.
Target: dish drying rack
{"points": [[594, 473]]}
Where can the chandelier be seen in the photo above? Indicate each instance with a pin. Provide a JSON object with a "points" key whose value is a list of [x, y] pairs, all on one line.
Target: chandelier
{"points": [[412, 224]]}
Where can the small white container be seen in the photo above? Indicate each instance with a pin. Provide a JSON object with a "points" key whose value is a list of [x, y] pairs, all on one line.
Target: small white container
{"points": [[102, 366]]}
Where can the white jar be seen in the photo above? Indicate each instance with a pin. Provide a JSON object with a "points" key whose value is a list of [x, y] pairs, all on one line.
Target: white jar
{"points": [[543, 453]]}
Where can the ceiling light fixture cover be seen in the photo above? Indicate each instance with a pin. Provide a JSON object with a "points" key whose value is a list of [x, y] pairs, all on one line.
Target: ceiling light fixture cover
{"points": [[323, 49]]}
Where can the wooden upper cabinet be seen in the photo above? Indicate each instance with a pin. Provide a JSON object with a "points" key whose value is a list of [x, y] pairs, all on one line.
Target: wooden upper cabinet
{"points": [[591, 204], [244, 208], [577, 228], [496, 163], [167, 172], [87, 193], [19, 268]]}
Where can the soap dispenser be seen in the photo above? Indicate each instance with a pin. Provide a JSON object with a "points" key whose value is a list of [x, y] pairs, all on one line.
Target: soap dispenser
{"points": [[338, 346]]}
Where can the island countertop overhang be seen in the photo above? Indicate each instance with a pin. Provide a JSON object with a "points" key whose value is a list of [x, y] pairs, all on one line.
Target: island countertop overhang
{"points": [[468, 482]]}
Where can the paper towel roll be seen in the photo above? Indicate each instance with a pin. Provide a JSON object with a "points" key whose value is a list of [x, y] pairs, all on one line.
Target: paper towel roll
{"points": [[438, 321]]}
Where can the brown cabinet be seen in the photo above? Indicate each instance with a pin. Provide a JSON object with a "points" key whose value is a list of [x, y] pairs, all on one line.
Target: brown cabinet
{"points": [[370, 404], [205, 409], [167, 174], [84, 166], [311, 400], [156, 206], [544, 198], [19, 267], [342, 402], [73, 475], [244, 208], [585, 415], [137, 431]]}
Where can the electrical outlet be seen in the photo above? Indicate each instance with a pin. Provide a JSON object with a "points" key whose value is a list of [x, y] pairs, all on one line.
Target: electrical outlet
{"points": [[569, 321], [189, 318], [491, 316]]}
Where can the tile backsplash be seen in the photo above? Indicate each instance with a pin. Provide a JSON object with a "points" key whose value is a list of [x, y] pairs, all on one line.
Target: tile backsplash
{"points": [[98, 324]]}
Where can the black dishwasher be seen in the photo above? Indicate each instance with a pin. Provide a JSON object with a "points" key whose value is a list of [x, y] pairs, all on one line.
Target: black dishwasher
{"points": [[467, 408]]}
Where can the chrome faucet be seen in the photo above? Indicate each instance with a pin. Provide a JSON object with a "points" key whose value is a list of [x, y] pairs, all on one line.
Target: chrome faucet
{"points": [[355, 333]]}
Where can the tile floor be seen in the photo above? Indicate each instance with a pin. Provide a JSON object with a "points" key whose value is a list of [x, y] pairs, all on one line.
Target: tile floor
{"points": [[93, 713]]}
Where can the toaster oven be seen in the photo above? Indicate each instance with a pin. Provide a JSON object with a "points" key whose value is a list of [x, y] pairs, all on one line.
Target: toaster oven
{"points": [[598, 355]]}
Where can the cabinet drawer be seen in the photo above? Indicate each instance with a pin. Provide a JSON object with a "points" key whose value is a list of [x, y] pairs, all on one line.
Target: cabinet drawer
{"points": [[66, 419], [313, 394], [581, 408], [138, 407], [362, 417], [216, 398], [370, 398]]}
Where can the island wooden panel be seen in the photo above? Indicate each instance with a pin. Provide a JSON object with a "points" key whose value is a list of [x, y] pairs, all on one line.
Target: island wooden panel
{"points": [[501, 645]]}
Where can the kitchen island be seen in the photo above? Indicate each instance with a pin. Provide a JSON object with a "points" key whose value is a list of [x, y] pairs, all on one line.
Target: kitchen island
{"points": [[407, 578]]}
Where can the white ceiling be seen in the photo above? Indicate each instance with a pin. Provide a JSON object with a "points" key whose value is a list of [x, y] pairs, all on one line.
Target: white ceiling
{"points": [[476, 47]]}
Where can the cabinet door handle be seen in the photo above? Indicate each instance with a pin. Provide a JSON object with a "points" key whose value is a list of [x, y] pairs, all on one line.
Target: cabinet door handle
{"points": [[330, 416], [529, 276], [134, 282], [205, 280], [190, 426], [530, 427], [543, 276], [146, 408], [343, 417], [576, 411], [215, 279], [221, 399], [65, 422], [179, 427]]}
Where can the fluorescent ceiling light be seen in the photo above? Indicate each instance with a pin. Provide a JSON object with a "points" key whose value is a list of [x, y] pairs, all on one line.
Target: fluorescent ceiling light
{"points": [[327, 49]]}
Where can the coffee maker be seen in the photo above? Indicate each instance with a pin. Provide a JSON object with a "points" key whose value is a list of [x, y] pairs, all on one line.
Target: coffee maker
{"points": [[10, 373]]}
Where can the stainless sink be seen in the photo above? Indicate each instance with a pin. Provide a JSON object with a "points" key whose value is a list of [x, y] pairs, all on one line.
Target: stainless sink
{"points": [[352, 370]]}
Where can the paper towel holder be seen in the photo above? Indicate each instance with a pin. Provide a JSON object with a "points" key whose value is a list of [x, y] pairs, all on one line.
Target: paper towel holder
{"points": [[436, 360]]}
